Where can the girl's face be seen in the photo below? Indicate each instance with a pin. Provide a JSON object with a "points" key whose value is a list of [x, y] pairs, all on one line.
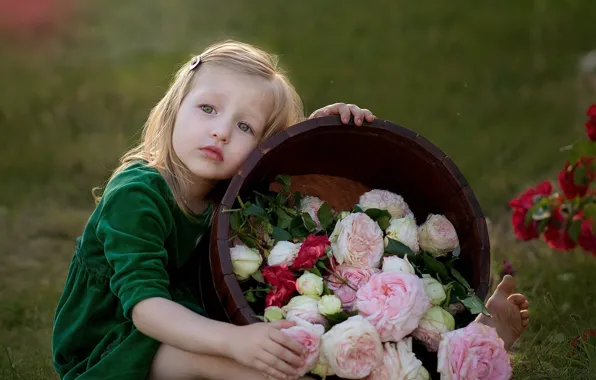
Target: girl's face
{"points": [[221, 121]]}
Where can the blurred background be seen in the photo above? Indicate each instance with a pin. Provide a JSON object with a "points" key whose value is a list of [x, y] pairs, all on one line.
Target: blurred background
{"points": [[498, 86]]}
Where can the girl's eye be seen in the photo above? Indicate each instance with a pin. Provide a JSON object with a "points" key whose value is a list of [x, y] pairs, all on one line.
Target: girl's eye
{"points": [[207, 109], [245, 127]]}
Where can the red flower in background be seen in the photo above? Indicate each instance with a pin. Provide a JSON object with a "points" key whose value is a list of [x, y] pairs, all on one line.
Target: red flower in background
{"points": [[312, 249], [284, 283], [586, 336], [522, 204], [591, 123], [556, 235], [567, 175]]}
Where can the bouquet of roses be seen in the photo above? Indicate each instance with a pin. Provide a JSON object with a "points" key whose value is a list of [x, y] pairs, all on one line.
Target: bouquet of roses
{"points": [[362, 286], [564, 219]]}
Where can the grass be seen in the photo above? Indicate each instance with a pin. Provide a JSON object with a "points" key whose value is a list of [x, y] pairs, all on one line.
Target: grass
{"points": [[493, 85]]}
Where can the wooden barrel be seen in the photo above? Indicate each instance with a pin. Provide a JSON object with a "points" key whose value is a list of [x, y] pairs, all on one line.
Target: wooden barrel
{"points": [[338, 163]]}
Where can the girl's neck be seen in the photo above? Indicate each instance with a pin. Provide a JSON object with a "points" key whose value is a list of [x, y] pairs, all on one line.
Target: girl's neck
{"points": [[197, 199]]}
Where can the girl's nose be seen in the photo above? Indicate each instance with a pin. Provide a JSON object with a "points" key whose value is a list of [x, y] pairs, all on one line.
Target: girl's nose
{"points": [[222, 133]]}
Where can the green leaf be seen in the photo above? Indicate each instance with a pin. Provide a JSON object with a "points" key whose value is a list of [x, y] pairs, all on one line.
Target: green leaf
{"points": [[250, 297], [325, 216], [475, 305], [395, 247], [326, 291], [309, 223], [357, 209], [460, 278], [435, 265], [236, 220], [579, 175], [281, 234], [283, 219], [315, 270], [376, 213], [383, 222], [285, 180], [253, 209], [574, 229], [299, 232], [258, 276], [297, 199], [248, 240]]}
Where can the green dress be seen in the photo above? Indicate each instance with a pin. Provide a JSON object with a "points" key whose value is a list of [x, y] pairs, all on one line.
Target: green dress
{"points": [[137, 244]]}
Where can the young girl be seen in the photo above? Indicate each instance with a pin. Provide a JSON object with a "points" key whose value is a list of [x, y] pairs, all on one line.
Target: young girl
{"points": [[126, 311]]}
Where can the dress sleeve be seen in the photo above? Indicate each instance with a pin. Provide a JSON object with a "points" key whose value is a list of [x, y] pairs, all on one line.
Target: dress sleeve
{"points": [[133, 226]]}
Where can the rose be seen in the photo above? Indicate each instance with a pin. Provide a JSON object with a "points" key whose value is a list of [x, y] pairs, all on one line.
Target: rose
{"points": [[522, 204], [322, 367], [353, 348], [357, 240], [329, 304], [305, 308], [284, 283], [310, 251], [567, 177], [309, 284], [405, 231], [346, 280], [434, 322], [309, 336], [591, 123], [437, 235], [556, 234], [311, 206], [273, 313], [385, 200], [283, 252], [587, 239], [393, 302], [397, 264], [400, 363], [245, 261], [473, 352], [434, 290]]}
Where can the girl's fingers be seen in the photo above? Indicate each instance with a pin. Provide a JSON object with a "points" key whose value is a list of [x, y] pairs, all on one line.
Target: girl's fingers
{"points": [[270, 372], [286, 343]]}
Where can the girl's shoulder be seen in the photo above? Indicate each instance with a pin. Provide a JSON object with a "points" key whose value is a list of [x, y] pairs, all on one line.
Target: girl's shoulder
{"points": [[138, 175]]}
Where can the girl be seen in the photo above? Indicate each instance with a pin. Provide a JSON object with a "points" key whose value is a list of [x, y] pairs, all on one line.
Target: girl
{"points": [[126, 312]]}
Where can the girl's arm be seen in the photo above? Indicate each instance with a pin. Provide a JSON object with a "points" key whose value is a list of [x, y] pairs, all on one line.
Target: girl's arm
{"points": [[260, 346]]}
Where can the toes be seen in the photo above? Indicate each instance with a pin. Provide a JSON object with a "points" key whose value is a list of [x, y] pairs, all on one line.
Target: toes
{"points": [[518, 299], [525, 314], [506, 286], [525, 305]]}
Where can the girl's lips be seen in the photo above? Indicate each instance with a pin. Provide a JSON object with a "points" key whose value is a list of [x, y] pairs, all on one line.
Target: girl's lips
{"points": [[212, 152]]}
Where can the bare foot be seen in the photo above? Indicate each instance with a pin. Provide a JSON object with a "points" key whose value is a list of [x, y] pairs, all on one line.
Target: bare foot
{"points": [[509, 312]]}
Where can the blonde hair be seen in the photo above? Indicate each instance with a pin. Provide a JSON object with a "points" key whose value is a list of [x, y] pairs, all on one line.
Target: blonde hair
{"points": [[156, 147]]}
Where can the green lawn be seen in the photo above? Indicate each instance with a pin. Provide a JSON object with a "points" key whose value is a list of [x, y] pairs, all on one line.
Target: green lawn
{"points": [[495, 86]]}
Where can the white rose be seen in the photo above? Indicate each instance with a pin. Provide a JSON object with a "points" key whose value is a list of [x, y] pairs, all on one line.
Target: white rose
{"points": [[329, 304], [405, 231], [311, 206], [273, 313], [433, 323], [357, 240], [434, 290], [385, 200], [245, 261], [397, 264], [309, 284], [283, 252], [437, 235], [305, 308], [353, 348], [322, 367], [400, 363]]}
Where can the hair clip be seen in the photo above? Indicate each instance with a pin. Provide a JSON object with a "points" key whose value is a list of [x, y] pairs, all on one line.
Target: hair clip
{"points": [[194, 62]]}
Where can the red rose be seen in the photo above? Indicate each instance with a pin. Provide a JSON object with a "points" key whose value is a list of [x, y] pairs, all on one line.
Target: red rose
{"points": [[310, 251], [556, 235], [586, 336], [591, 123], [566, 178], [522, 204], [587, 239], [284, 283]]}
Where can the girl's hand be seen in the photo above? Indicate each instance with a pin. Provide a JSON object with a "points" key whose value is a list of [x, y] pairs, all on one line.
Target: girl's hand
{"points": [[345, 110], [264, 347]]}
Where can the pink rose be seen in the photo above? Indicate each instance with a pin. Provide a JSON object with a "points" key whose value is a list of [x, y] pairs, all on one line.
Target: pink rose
{"points": [[311, 206], [305, 308], [353, 348], [385, 200], [308, 335], [400, 363], [394, 302], [357, 240], [354, 277], [437, 235], [473, 352]]}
